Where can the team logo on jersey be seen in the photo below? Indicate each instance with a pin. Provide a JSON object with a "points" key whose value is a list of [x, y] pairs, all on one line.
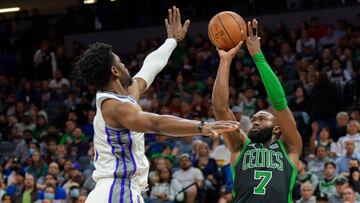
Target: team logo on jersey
{"points": [[252, 145], [274, 146]]}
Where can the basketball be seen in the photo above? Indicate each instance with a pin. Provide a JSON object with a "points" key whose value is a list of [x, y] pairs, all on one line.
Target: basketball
{"points": [[224, 29]]}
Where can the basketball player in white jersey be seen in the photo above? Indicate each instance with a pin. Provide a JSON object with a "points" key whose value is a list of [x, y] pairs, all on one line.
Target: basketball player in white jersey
{"points": [[121, 167]]}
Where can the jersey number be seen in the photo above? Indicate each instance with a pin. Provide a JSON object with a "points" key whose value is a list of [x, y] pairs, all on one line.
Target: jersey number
{"points": [[264, 177]]}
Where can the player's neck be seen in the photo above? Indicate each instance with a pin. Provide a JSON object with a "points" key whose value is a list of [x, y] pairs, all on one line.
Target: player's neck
{"points": [[116, 88]]}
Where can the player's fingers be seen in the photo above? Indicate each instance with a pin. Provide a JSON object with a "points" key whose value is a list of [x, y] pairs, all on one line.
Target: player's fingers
{"points": [[170, 16], [186, 25], [178, 16], [255, 26], [250, 29], [167, 25], [214, 132], [174, 14]]}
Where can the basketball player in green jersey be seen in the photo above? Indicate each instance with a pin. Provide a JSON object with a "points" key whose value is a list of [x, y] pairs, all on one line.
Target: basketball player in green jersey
{"points": [[264, 161]]}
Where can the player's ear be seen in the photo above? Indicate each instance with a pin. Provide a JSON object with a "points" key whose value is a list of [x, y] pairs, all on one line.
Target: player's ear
{"points": [[276, 131], [115, 71]]}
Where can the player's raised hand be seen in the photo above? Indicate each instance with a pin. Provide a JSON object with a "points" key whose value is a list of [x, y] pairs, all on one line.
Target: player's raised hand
{"points": [[252, 40], [229, 55], [218, 127], [173, 25]]}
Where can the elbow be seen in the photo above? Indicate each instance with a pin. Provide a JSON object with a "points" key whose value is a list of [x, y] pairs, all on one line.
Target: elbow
{"points": [[219, 108]]}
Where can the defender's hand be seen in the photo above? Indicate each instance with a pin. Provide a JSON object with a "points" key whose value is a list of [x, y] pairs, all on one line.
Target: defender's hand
{"points": [[173, 25], [252, 41], [229, 55], [218, 127]]}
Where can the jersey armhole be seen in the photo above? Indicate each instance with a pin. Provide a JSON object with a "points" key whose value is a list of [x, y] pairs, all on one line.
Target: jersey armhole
{"points": [[247, 141], [294, 171]]}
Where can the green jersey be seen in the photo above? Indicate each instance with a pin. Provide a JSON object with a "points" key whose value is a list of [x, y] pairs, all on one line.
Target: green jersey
{"points": [[263, 174]]}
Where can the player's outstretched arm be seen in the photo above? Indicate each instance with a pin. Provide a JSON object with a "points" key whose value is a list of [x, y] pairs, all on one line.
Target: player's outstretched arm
{"points": [[285, 119], [158, 59], [220, 98], [131, 116]]}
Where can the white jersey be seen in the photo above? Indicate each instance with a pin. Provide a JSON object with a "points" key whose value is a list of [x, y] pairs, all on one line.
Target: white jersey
{"points": [[119, 152]]}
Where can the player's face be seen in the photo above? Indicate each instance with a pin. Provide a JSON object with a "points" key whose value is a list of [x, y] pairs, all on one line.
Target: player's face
{"points": [[262, 127], [124, 76]]}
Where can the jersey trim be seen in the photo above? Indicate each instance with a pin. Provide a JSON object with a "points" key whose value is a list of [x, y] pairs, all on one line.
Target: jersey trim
{"points": [[247, 141], [293, 173]]}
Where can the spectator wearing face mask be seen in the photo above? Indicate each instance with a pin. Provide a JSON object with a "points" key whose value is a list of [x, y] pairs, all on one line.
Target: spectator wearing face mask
{"points": [[74, 192], [51, 181]]}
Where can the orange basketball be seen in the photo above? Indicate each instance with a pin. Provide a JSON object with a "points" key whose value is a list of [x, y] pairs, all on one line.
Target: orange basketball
{"points": [[224, 29]]}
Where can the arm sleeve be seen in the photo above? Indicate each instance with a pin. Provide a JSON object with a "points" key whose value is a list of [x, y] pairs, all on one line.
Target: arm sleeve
{"points": [[156, 61], [272, 84]]}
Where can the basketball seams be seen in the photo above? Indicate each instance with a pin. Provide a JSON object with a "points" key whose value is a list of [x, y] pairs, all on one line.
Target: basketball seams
{"points": [[226, 30], [235, 21], [211, 36]]}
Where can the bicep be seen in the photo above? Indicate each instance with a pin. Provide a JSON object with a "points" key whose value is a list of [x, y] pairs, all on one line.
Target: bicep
{"points": [[289, 132], [133, 118]]}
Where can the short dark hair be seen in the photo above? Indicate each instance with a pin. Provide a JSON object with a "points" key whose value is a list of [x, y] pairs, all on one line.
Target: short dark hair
{"points": [[95, 64], [329, 163]]}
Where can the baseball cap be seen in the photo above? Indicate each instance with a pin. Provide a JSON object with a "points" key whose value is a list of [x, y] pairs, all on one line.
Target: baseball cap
{"points": [[75, 166]]}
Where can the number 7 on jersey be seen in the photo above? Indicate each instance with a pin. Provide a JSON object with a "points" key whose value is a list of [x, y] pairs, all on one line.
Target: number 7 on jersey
{"points": [[264, 177]]}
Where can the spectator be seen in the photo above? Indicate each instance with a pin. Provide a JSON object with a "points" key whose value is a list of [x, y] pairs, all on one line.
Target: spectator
{"points": [[327, 186], [51, 181], [187, 176], [330, 40], [77, 147], [44, 61], [307, 196], [160, 163], [248, 104], [342, 163], [349, 195], [244, 120], [338, 76], [88, 128], [354, 178], [316, 166], [29, 193], [325, 61], [54, 170], [341, 184], [324, 140], [166, 189], [15, 189], [37, 167], [22, 149], [58, 81], [353, 134], [304, 175], [306, 45], [6, 199], [342, 119]]}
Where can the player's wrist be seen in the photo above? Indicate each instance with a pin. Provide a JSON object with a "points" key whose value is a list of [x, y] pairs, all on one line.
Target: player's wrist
{"points": [[200, 126]]}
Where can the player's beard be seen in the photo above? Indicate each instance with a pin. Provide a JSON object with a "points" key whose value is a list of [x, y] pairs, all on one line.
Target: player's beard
{"points": [[261, 136]]}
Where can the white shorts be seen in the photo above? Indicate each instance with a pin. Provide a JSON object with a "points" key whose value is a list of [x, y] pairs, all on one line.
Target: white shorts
{"points": [[110, 190]]}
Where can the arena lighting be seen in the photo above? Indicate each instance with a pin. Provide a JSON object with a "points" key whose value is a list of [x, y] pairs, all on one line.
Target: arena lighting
{"points": [[7, 10], [89, 1]]}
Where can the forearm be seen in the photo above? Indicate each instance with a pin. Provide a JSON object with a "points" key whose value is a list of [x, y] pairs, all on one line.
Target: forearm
{"points": [[271, 82], [156, 61], [220, 95], [175, 126]]}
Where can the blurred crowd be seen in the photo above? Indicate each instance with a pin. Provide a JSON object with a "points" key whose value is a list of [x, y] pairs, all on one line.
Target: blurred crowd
{"points": [[46, 113]]}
